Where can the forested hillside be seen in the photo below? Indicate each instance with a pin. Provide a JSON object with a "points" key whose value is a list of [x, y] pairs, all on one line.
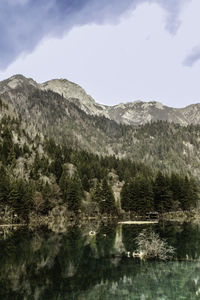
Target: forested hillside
{"points": [[37, 174]]}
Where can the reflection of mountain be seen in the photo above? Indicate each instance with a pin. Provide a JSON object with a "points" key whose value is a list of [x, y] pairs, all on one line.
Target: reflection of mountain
{"points": [[73, 265]]}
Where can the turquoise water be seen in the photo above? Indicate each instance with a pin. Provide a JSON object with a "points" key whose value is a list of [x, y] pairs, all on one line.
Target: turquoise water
{"points": [[77, 265]]}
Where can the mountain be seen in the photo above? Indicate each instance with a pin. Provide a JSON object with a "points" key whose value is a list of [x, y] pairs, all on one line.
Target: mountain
{"points": [[161, 137], [47, 111], [132, 113], [45, 170]]}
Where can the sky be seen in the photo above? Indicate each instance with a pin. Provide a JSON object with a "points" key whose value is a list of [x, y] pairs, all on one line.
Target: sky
{"points": [[117, 50]]}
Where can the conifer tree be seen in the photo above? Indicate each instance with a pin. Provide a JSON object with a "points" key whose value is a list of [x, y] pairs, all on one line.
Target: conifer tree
{"points": [[74, 193], [144, 195], [107, 204], [64, 183], [4, 186], [14, 196], [20, 198], [162, 193], [97, 194], [176, 187], [126, 200], [189, 197], [85, 183], [56, 168]]}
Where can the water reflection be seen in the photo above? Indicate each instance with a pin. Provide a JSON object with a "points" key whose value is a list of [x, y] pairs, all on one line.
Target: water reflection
{"points": [[76, 265]]}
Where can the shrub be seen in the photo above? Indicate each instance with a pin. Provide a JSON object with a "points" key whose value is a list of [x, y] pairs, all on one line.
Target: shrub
{"points": [[151, 246]]}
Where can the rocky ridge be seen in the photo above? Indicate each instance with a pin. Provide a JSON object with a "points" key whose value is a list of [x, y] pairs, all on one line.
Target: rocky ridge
{"points": [[132, 113]]}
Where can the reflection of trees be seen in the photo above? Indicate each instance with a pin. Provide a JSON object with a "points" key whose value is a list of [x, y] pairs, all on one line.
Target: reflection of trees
{"points": [[25, 261], [130, 233], [71, 252], [105, 240], [184, 238], [66, 266], [43, 262], [152, 280]]}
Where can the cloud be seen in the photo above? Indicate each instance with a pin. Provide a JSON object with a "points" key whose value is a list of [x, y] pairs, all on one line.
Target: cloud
{"points": [[24, 23], [193, 57], [173, 8]]}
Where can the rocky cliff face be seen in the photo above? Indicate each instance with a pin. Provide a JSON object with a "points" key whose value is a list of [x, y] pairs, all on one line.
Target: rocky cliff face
{"points": [[138, 113], [74, 93]]}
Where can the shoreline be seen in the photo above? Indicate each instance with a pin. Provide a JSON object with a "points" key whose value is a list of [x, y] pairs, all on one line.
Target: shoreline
{"points": [[126, 219]]}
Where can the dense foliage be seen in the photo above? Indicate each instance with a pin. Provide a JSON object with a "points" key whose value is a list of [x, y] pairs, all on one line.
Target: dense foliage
{"points": [[162, 193]]}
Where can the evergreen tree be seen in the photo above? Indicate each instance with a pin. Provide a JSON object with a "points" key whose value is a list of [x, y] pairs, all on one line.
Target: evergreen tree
{"points": [[74, 193], [20, 198], [4, 186], [56, 168], [14, 197], [97, 194], [176, 187], [126, 197], [162, 193], [189, 196], [143, 195], [194, 193], [85, 183], [107, 204], [64, 184], [8, 153]]}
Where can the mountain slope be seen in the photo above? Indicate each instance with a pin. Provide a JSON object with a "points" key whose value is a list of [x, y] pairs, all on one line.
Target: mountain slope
{"points": [[169, 143], [49, 112], [138, 113]]}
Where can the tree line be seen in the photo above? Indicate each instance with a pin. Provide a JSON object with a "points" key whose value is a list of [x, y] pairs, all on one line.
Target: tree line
{"points": [[162, 193]]}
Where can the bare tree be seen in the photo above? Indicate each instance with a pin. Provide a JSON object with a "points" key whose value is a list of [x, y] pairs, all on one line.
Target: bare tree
{"points": [[151, 246]]}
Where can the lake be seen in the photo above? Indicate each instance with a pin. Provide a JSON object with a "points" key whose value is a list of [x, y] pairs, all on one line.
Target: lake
{"points": [[90, 262]]}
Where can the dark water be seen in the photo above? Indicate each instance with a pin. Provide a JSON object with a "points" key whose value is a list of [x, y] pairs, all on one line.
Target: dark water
{"points": [[77, 265]]}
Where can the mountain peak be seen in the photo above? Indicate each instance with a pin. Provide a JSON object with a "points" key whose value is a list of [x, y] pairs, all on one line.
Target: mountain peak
{"points": [[65, 88], [18, 80], [74, 93]]}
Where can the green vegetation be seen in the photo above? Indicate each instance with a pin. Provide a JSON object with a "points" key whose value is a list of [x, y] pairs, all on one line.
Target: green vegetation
{"points": [[163, 193]]}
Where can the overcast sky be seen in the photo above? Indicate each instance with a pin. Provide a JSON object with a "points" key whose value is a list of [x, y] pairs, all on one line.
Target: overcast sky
{"points": [[117, 50]]}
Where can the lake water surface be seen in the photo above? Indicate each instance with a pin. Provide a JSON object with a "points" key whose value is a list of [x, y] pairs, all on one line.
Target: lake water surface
{"points": [[90, 262]]}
